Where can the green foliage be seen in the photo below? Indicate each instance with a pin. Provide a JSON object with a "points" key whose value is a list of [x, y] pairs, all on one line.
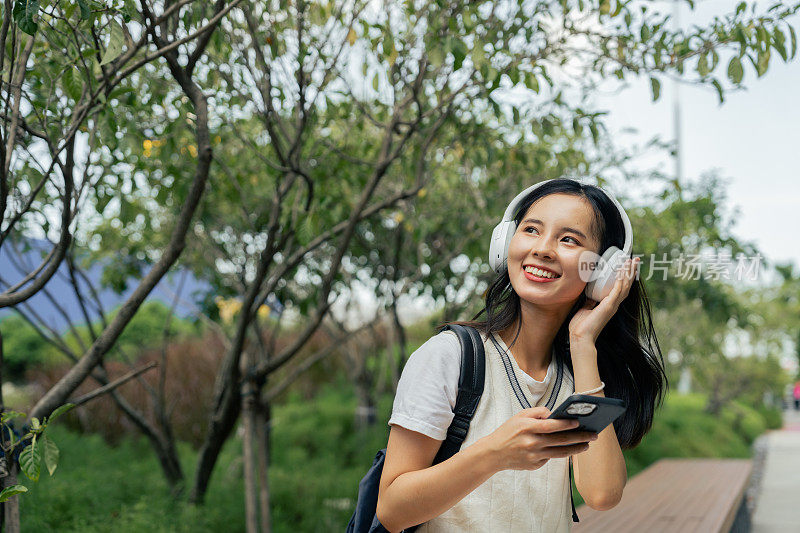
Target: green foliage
{"points": [[772, 416], [683, 428], [30, 460], [115, 42], [24, 12], [24, 348], [146, 329], [40, 448], [13, 490]]}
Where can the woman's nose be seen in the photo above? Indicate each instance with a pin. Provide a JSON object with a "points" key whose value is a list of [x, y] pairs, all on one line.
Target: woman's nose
{"points": [[542, 248]]}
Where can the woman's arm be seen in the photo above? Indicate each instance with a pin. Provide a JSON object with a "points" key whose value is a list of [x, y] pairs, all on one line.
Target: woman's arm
{"points": [[412, 491], [600, 472]]}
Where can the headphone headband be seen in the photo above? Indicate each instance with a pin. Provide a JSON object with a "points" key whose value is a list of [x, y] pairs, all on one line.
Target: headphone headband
{"points": [[508, 216]]}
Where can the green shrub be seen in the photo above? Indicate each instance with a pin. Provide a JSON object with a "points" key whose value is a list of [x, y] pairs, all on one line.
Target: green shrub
{"points": [[24, 348], [682, 428], [772, 416]]}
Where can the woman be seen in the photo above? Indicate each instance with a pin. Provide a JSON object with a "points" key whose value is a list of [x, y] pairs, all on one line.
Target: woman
{"points": [[544, 340]]}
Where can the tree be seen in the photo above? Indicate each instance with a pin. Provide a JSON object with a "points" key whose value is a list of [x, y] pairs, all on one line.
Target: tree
{"points": [[67, 67]]}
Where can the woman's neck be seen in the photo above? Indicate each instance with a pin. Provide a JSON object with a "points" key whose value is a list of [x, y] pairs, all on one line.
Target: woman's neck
{"points": [[534, 346]]}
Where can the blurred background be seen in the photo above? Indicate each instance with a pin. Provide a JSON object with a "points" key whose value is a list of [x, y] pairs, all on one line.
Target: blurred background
{"points": [[224, 227]]}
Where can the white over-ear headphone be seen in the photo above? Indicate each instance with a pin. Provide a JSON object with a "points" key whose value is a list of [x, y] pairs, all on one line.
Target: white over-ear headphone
{"points": [[602, 278]]}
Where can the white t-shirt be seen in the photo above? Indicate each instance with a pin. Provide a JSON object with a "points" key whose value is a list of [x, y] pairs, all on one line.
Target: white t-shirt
{"points": [[427, 390]]}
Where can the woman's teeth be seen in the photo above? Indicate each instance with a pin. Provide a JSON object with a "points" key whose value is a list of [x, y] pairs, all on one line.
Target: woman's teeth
{"points": [[541, 273]]}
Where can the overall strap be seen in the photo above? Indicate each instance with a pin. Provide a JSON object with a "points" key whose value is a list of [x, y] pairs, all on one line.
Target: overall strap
{"points": [[470, 389]]}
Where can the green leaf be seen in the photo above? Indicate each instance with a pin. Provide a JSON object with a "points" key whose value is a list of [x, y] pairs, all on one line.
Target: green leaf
{"points": [[23, 12], [305, 231], [375, 81], [478, 56], [718, 87], [115, 41], [85, 13], [8, 415], [30, 461], [763, 62], [735, 70], [595, 133], [780, 44], [702, 65], [50, 454], [655, 86], [576, 126], [72, 86], [60, 411], [459, 53], [13, 490], [532, 82], [793, 39]]}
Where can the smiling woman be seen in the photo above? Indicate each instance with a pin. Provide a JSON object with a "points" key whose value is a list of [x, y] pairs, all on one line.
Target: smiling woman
{"points": [[544, 338]]}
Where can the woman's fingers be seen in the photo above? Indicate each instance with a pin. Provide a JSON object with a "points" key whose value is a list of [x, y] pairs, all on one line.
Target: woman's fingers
{"points": [[554, 452], [570, 437], [552, 425]]}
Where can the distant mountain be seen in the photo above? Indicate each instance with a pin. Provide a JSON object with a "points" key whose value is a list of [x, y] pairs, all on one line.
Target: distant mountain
{"points": [[14, 267]]}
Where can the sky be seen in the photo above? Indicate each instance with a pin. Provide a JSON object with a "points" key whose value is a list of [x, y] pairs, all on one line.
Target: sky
{"points": [[752, 139]]}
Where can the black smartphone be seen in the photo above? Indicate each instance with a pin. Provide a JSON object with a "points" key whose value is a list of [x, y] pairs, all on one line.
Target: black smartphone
{"points": [[593, 412]]}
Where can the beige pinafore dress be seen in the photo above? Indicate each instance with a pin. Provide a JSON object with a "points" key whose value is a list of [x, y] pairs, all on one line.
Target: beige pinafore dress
{"points": [[511, 500]]}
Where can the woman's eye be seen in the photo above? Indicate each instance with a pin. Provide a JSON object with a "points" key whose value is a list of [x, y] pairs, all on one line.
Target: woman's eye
{"points": [[574, 240]]}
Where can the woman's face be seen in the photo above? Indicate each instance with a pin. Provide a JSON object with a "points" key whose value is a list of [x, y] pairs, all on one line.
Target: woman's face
{"points": [[553, 233]]}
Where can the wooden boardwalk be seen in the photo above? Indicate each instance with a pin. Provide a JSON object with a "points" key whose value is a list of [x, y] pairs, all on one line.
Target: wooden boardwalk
{"points": [[676, 495]]}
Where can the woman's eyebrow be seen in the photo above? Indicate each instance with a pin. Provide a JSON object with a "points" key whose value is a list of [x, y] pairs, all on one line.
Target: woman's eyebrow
{"points": [[564, 228]]}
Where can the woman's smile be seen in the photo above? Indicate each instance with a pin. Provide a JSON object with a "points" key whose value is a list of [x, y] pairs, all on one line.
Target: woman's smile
{"points": [[540, 275]]}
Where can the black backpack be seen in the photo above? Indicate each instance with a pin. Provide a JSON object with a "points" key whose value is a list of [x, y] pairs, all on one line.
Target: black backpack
{"points": [[470, 388]]}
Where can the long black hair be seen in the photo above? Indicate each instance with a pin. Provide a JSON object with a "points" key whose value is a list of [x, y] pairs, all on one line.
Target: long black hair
{"points": [[629, 358]]}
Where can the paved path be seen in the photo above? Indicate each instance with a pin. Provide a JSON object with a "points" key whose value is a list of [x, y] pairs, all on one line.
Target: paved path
{"points": [[778, 504]]}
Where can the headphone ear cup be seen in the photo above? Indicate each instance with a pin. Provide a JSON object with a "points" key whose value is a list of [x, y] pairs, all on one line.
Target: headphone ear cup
{"points": [[604, 281], [498, 248]]}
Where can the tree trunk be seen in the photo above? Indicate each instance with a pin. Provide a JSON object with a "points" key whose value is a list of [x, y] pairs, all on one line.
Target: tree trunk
{"points": [[386, 362], [263, 435], [221, 426], [11, 506], [248, 442], [365, 412], [401, 343], [8, 469]]}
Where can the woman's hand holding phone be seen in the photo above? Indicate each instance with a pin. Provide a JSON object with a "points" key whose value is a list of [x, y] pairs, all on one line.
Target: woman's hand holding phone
{"points": [[527, 440]]}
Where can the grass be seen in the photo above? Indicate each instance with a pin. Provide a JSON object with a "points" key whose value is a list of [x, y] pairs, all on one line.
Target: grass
{"points": [[96, 485]]}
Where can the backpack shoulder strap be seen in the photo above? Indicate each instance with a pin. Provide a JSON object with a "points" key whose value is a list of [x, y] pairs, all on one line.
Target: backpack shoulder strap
{"points": [[470, 389]]}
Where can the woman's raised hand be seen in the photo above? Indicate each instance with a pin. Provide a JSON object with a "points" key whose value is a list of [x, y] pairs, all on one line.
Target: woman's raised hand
{"points": [[527, 440], [587, 323]]}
